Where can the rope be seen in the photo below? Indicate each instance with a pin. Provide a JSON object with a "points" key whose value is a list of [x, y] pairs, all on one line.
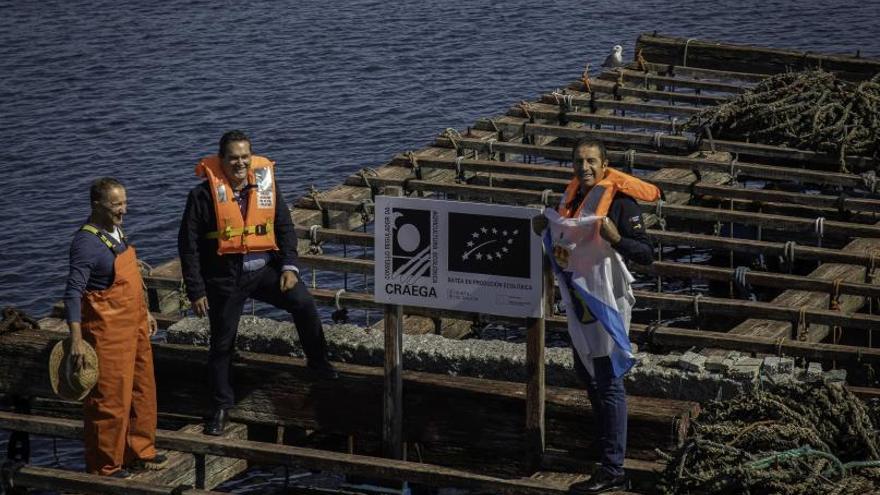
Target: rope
{"points": [[630, 156], [869, 179], [545, 197], [658, 210], [336, 300], [641, 61], [819, 227], [779, 343], [834, 301], [788, 251], [657, 135], [491, 150], [585, 78], [314, 246], [524, 106], [366, 172], [684, 59], [366, 206], [313, 194], [672, 125], [459, 173], [802, 325], [414, 164], [734, 170], [453, 136], [697, 298], [15, 320]]}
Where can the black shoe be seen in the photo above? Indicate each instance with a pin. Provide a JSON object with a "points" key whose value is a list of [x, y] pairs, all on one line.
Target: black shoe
{"points": [[324, 370], [156, 463], [121, 474], [217, 424], [601, 482]]}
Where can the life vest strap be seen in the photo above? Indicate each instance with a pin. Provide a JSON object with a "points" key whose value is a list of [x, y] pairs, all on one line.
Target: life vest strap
{"points": [[113, 246], [229, 232]]}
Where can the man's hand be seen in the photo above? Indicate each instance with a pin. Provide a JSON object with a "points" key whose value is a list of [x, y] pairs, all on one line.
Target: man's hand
{"points": [[609, 231], [77, 346], [152, 326], [200, 306], [539, 223], [561, 254], [288, 280]]}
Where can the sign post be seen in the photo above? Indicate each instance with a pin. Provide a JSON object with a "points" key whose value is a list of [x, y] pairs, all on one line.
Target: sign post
{"points": [[472, 257]]}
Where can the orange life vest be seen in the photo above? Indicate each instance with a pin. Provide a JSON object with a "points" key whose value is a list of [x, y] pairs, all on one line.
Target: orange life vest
{"points": [[235, 234], [599, 197]]}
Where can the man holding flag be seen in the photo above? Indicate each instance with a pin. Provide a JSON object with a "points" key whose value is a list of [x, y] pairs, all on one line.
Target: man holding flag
{"points": [[596, 225]]}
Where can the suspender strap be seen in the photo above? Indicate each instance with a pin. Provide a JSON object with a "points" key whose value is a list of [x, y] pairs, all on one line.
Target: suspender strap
{"points": [[116, 247]]}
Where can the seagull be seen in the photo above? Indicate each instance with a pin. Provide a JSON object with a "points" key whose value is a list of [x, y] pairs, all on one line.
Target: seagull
{"points": [[615, 59]]}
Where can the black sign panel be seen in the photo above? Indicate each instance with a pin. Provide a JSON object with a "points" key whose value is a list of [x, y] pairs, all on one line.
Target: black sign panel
{"points": [[489, 245]]}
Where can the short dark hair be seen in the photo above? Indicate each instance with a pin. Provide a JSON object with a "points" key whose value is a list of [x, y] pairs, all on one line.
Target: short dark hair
{"points": [[231, 137], [100, 187], [585, 142]]}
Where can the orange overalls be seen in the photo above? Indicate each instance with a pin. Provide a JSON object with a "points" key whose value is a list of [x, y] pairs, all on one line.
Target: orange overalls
{"points": [[120, 412]]}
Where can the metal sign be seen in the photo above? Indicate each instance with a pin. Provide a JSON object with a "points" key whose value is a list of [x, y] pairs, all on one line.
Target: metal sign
{"points": [[474, 257]]}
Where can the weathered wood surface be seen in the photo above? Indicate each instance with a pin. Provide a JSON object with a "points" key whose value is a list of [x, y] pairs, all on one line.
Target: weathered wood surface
{"points": [[273, 454], [761, 279], [675, 82], [733, 57], [634, 159], [43, 478], [608, 87], [698, 72], [213, 470], [586, 104], [805, 299], [480, 421]]}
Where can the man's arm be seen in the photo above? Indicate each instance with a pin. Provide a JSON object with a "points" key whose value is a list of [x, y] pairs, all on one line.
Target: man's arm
{"points": [[188, 247], [634, 242]]}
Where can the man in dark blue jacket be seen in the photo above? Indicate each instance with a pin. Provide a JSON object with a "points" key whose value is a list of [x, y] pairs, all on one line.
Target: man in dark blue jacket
{"points": [[219, 284]]}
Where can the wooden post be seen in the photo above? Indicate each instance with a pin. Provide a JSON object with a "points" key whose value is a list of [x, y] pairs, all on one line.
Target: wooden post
{"points": [[535, 374], [392, 417]]}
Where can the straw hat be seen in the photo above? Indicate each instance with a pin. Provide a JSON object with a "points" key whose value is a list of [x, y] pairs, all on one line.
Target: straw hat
{"points": [[67, 382]]}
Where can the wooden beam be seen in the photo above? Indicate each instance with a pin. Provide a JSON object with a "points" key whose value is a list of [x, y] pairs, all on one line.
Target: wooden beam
{"points": [[667, 81], [273, 454], [755, 309], [607, 87], [666, 125], [392, 397], [673, 143], [458, 421], [697, 72], [580, 100], [728, 56], [768, 221], [762, 279], [44, 478]]}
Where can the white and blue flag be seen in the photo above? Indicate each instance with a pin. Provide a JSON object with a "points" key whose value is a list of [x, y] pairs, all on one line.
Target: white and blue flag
{"points": [[595, 286]]}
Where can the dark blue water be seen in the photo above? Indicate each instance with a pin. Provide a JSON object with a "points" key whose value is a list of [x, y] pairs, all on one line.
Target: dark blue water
{"points": [[141, 90]]}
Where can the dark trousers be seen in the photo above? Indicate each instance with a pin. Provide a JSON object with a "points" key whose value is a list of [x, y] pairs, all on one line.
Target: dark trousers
{"points": [[608, 399], [225, 312]]}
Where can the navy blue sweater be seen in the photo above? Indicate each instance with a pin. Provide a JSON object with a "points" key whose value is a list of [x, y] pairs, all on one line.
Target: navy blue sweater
{"points": [[91, 268]]}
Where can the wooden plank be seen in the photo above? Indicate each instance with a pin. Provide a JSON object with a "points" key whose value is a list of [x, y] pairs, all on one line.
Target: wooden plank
{"points": [[682, 143], [392, 412], [458, 421], [582, 100], [181, 468], [698, 72], [595, 119], [767, 221], [770, 311], [43, 478], [667, 81], [762, 279], [607, 87], [728, 56], [539, 177]]}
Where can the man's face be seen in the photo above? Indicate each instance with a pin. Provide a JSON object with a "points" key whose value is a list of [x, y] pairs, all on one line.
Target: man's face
{"points": [[237, 161], [589, 167], [113, 207]]}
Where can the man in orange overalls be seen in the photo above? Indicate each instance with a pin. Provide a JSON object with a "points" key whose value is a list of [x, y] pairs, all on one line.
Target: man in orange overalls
{"points": [[106, 308]]}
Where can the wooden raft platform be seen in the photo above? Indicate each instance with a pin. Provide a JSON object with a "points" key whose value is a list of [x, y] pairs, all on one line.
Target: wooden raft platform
{"points": [[818, 225]]}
